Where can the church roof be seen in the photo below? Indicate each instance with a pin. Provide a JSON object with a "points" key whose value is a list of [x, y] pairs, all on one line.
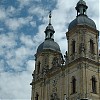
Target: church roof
{"points": [[82, 20], [48, 44]]}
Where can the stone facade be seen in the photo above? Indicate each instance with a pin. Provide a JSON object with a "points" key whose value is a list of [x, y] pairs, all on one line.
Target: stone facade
{"points": [[75, 77]]}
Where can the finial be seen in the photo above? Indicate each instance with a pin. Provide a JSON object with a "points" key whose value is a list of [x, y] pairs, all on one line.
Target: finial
{"points": [[50, 18]]}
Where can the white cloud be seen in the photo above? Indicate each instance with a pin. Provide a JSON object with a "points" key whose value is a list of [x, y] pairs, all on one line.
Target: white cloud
{"points": [[16, 23], [16, 59], [22, 52], [38, 11], [15, 54], [30, 66], [2, 14], [10, 54], [27, 40], [24, 2], [33, 24], [8, 40], [93, 11], [5, 14], [2, 63], [15, 86], [11, 11], [20, 58], [1, 29]]}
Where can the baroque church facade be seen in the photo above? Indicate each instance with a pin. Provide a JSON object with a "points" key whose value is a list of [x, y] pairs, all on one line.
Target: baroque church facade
{"points": [[76, 76]]}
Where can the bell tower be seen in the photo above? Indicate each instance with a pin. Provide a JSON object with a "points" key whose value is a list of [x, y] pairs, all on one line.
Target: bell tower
{"points": [[83, 57], [47, 59], [82, 35]]}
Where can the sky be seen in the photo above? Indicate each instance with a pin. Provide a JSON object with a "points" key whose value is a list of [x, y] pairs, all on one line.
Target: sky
{"points": [[22, 25]]}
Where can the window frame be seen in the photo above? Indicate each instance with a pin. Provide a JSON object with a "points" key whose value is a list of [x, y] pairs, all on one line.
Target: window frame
{"points": [[94, 84], [91, 46], [73, 85]]}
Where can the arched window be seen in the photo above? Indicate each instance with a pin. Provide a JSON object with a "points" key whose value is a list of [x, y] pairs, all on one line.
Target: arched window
{"points": [[93, 84], [37, 96], [91, 46], [38, 67], [73, 47], [73, 85]]}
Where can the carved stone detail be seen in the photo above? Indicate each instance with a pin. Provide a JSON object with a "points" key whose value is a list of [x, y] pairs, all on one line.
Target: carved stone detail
{"points": [[54, 96], [54, 83], [82, 48], [55, 62]]}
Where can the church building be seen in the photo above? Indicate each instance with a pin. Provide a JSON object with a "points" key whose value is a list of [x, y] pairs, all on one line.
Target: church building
{"points": [[76, 75]]}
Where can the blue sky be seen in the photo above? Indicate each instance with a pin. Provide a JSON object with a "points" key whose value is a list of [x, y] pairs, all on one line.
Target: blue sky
{"points": [[22, 25]]}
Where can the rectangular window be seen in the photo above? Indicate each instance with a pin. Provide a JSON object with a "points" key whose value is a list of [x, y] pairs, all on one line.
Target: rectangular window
{"points": [[91, 46], [73, 47]]}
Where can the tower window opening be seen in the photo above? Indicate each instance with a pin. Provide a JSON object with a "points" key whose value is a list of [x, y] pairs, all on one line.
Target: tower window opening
{"points": [[73, 47], [73, 85], [37, 96], [50, 35], [93, 84], [38, 68], [84, 11], [91, 46]]}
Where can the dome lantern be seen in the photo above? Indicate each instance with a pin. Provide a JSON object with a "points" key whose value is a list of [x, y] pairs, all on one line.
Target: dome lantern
{"points": [[82, 18], [81, 8]]}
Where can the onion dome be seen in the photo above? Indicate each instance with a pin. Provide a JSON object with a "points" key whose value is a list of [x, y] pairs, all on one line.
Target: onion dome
{"points": [[49, 43], [82, 18]]}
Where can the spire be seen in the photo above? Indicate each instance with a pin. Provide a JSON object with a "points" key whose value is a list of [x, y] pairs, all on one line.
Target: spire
{"points": [[81, 8], [49, 31], [50, 18]]}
